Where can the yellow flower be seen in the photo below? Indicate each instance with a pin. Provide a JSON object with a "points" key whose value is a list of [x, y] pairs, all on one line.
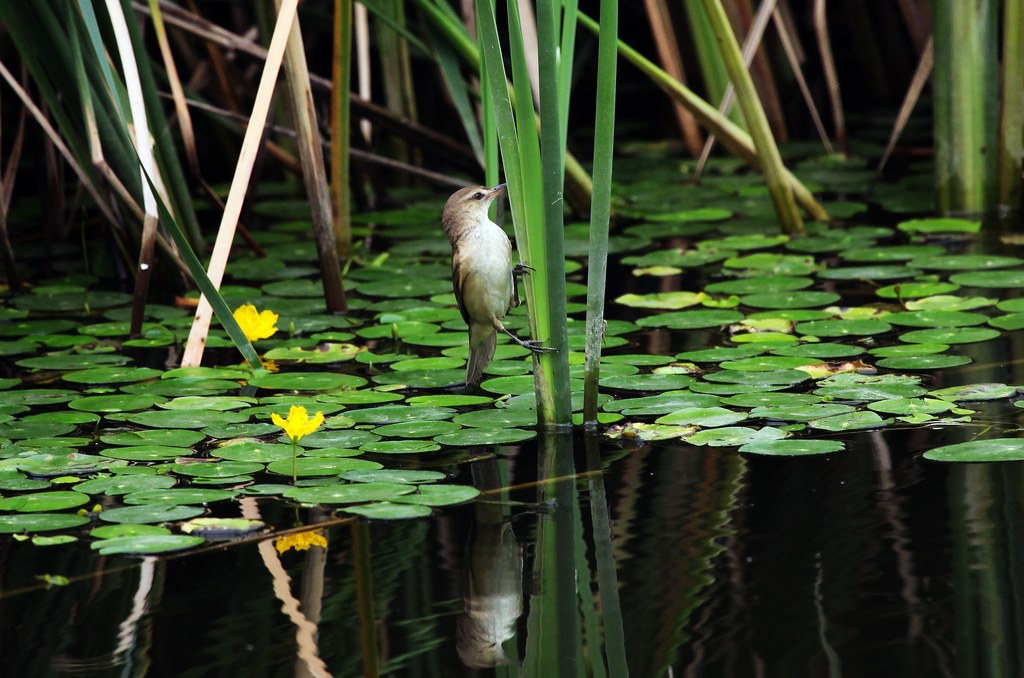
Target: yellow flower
{"points": [[299, 423], [256, 325], [300, 542]]}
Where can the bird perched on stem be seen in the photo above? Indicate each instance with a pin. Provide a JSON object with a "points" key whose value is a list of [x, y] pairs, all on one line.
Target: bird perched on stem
{"points": [[483, 276]]}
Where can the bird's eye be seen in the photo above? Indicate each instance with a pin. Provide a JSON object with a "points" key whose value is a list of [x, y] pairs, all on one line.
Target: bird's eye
{"points": [[479, 195]]}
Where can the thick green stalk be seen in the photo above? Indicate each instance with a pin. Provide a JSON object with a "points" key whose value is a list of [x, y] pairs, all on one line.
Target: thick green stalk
{"points": [[965, 126], [554, 367], [1011, 121], [732, 137], [600, 204], [757, 121]]}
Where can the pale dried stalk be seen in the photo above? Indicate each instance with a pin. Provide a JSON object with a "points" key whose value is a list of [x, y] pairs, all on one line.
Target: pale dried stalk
{"points": [[147, 161], [188, 136], [193, 354], [828, 64], [917, 83]]}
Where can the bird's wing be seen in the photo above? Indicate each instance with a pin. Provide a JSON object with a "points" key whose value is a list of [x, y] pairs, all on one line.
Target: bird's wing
{"points": [[458, 279]]}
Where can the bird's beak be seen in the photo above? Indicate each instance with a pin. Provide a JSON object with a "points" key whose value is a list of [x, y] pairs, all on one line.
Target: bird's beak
{"points": [[493, 193]]}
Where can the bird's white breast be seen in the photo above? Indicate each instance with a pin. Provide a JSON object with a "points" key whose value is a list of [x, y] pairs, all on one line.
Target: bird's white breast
{"points": [[485, 255]]}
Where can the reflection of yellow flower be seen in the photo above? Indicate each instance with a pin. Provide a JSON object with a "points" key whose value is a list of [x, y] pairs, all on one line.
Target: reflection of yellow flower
{"points": [[254, 324], [298, 424], [300, 542]]}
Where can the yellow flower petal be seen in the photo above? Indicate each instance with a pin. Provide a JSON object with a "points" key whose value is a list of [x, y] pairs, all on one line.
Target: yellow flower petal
{"points": [[298, 424], [300, 542], [256, 325]]}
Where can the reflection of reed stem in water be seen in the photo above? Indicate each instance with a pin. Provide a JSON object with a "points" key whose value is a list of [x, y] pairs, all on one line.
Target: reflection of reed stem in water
{"points": [[493, 597]]}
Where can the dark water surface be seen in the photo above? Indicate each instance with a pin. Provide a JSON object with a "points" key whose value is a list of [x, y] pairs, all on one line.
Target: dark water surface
{"points": [[671, 560]]}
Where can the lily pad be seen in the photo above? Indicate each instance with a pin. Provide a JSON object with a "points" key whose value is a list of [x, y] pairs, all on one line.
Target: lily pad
{"points": [[975, 392], [177, 497], [307, 381], [54, 500], [145, 544], [843, 328], [924, 362], [353, 493], [989, 279], [439, 495], [993, 449], [705, 417], [790, 300], [733, 436], [853, 421], [385, 510], [40, 522], [950, 335], [480, 436], [405, 476], [792, 447], [691, 320], [150, 513], [321, 466]]}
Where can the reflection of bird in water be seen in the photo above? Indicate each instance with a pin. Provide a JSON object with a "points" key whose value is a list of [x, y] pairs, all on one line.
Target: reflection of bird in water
{"points": [[493, 599]]}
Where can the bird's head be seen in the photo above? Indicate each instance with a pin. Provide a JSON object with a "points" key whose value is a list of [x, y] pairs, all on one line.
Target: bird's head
{"points": [[468, 206]]}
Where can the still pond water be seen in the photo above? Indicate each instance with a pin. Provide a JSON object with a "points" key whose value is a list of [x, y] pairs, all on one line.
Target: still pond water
{"points": [[585, 555]]}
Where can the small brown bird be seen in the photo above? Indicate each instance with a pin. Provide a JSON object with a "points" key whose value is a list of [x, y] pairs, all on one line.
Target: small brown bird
{"points": [[483, 276]]}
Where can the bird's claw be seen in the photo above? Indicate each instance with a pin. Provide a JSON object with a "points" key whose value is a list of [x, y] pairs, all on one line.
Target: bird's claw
{"points": [[534, 346], [522, 269]]}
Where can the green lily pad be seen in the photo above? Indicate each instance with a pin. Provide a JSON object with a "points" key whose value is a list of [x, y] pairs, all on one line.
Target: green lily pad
{"points": [[339, 438], [800, 412], [661, 300], [127, 530], [852, 421], [145, 544], [221, 469], [706, 417], [117, 485], [871, 390], [993, 449], [395, 414], [353, 493], [842, 328], [759, 285], [915, 290], [924, 362], [904, 350], [714, 355], [950, 335], [253, 451], [821, 351], [405, 476], [439, 495], [183, 419], [790, 300], [936, 319], [691, 320], [940, 225], [307, 381], [891, 253], [170, 437], [757, 399], [385, 510], [872, 273], [907, 406], [660, 404], [949, 302], [975, 392], [734, 436], [321, 466], [480, 436], [792, 447], [111, 375], [177, 497], [72, 361], [965, 262], [218, 403], [59, 464], [150, 513], [647, 382], [785, 377], [182, 387], [768, 363], [54, 500], [119, 402], [401, 447], [1010, 322], [40, 522], [989, 279]]}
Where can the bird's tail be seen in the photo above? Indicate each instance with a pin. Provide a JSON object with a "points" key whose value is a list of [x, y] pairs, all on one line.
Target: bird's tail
{"points": [[482, 340]]}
